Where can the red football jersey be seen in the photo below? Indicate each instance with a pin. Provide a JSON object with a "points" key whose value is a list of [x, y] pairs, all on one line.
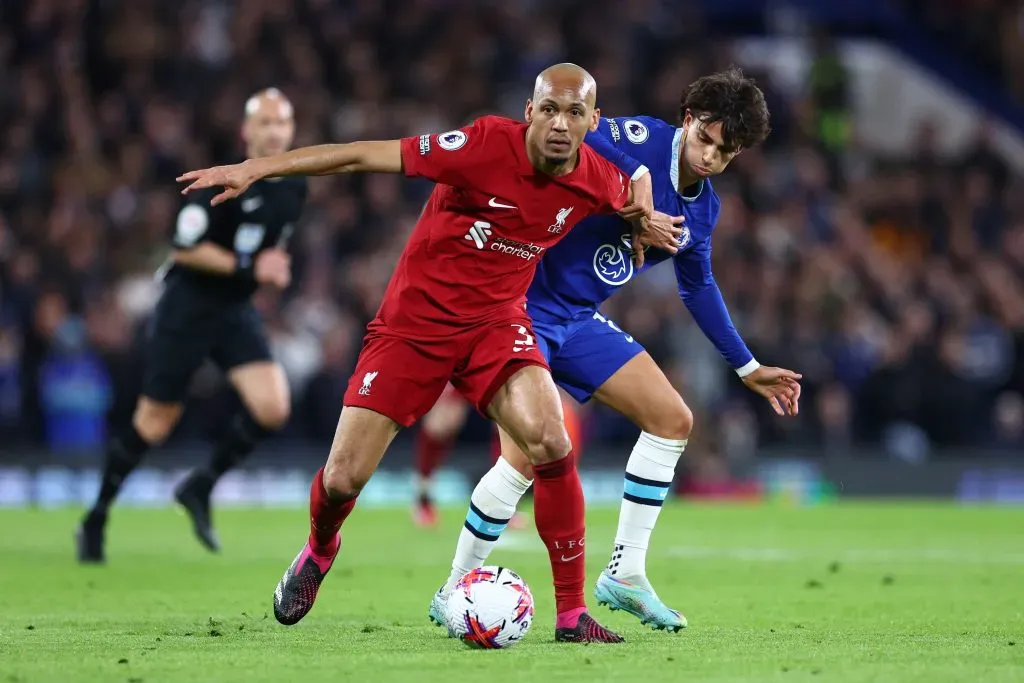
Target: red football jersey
{"points": [[490, 218]]}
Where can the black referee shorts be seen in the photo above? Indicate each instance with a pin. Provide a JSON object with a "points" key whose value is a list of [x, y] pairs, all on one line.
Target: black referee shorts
{"points": [[188, 326]]}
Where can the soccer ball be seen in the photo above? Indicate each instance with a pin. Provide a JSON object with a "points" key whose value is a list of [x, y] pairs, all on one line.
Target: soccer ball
{"points": [[490, 607]]}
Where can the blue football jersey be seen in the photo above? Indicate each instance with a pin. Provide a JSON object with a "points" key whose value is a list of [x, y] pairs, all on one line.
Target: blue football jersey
{"points": [[595, 259]]}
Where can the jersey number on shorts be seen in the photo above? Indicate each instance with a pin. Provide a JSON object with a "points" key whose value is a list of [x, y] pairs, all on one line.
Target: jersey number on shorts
{"points": [[611, 324], [524, 342]]}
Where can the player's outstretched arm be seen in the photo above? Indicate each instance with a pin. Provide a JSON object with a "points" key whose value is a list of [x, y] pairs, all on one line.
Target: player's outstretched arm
{"points": [[272, 266], [699, 291], [207, 257], [378, 156]]}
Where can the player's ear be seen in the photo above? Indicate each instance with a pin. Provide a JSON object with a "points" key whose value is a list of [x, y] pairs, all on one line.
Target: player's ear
{"points": [[528, 114], [687, 119], [595, 119]]}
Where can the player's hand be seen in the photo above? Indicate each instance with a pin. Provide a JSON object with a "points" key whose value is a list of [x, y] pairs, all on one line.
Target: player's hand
{"points": [[274, 267], [660, 231], [235, 179], [641, 199], [779, 386]]}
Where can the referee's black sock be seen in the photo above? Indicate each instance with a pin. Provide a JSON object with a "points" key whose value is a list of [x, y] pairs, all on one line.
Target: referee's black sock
{"points": [[124, 453], [242, 436]]}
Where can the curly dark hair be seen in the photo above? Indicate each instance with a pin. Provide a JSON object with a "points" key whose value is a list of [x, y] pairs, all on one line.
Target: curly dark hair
{"points": [[735, 100]]}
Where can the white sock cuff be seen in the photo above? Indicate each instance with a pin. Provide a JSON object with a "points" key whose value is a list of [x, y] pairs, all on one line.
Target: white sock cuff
{"points": [[511, 475], [661, 451], [502, 484]]}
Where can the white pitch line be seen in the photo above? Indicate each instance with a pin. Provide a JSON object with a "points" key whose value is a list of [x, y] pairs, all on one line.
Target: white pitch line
{"points": [[851, 555]]}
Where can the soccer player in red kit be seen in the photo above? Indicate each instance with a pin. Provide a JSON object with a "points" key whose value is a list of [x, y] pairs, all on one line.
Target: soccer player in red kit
{"points": [[455, 310]]}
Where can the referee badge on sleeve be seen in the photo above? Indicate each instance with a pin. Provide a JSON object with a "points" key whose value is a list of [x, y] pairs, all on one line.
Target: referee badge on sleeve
{"points": [[192, 224]]}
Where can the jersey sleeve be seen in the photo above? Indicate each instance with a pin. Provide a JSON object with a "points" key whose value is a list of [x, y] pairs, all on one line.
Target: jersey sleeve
{"points": [[703, 298], [601, 141], [197, 220], [451, 158], [612, 188]]}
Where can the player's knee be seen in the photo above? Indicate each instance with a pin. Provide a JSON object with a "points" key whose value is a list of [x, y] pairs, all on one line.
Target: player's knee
{"points": [[272, 413], [549, 443], [153, 431], [341, 482], [155, 422], [519, 462], [672, 421], [442, 423]]}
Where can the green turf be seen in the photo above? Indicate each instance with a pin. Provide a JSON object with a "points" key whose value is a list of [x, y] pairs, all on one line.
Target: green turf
{"points": [[864, 592]]}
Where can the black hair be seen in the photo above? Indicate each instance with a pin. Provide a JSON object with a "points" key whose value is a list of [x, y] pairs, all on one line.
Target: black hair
{"points": [[735, 100]]}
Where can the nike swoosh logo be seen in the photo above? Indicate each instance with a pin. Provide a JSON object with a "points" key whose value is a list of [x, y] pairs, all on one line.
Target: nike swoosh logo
{"points": [[498, 205], [570, 559]]}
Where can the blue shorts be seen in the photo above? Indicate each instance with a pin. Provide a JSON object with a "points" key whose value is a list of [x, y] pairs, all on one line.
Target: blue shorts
{"points": [[584, 351]]}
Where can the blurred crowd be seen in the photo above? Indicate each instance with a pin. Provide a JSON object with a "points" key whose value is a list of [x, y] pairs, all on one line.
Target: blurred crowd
{"points": [[896, 286], [989, 34]]}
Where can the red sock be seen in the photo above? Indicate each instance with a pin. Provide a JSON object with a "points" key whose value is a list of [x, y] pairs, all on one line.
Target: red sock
{"points": [[430, 453], [560, 516], [325, 517]]}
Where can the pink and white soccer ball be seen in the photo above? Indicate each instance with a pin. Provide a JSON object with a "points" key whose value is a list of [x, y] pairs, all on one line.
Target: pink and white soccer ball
{"points": [[490, 607]]}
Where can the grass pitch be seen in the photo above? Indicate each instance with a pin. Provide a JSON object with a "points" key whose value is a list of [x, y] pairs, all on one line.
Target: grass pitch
{"points": [[846, 592]]}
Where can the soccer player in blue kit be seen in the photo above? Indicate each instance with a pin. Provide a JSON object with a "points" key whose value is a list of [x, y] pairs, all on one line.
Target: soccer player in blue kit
{"points": [[591, 357]]}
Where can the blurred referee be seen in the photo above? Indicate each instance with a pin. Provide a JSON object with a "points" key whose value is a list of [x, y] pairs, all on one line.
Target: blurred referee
{"points": [[221, 255]]}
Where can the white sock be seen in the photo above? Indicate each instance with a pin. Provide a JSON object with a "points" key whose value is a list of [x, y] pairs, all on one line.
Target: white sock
{"points": [[649, 474], [491, 506]]}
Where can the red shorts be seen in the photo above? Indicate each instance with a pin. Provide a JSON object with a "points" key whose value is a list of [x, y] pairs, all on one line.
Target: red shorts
{"points": [[403, 378]]}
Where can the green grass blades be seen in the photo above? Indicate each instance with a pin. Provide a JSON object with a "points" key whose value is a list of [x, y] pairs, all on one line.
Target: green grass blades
{"points": [[848, 592]]}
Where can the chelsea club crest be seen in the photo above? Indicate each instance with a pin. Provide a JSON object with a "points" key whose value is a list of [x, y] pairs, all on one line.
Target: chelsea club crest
{"points": [[613, 263], [684, 237]]}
